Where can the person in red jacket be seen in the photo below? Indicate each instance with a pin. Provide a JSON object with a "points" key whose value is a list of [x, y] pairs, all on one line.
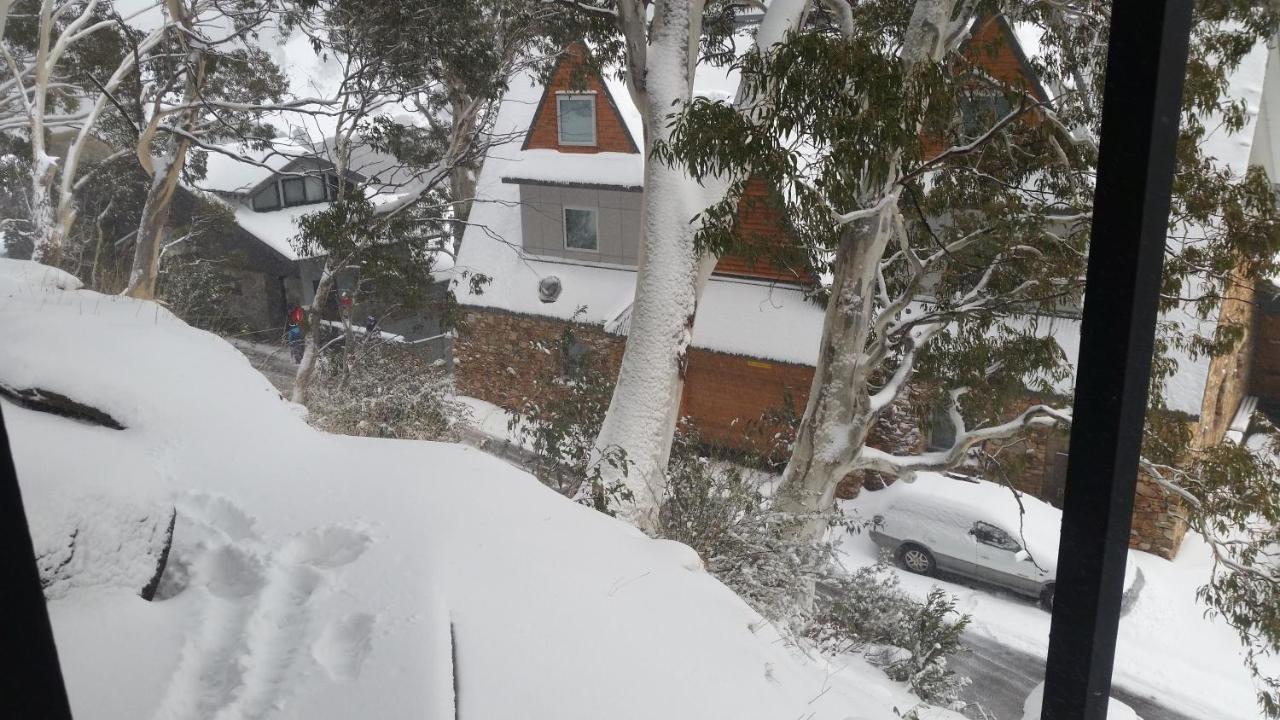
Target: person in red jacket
{"points": [[296, 315]]}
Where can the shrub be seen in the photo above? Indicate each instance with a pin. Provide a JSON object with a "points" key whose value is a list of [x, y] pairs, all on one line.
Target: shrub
{"points": [[200, 291], [721, 511], [389, 391], [868, 612]]}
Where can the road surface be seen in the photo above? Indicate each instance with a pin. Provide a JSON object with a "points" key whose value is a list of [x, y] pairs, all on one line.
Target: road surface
{"points": [[1003, 678]]}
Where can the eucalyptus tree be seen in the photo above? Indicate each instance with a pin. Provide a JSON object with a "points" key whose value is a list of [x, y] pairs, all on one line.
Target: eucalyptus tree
{"points": [[444, 66], [952, 213]]}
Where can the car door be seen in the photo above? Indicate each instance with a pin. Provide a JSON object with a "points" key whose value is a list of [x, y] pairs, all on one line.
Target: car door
{"points": [[998, 559]]}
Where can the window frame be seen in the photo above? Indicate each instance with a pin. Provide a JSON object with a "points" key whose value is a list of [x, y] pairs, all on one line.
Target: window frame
{"points": [[275, 190], [564, 222], [284, 196], [595, 135]]}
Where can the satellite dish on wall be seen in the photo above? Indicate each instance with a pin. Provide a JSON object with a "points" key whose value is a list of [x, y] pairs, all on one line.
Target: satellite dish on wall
{"points": [[549, 289]]}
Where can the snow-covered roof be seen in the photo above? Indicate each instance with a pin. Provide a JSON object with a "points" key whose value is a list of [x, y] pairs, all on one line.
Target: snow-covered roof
{"points": [[275, 228], [1184, 392], [232, 174], [554, 167]]}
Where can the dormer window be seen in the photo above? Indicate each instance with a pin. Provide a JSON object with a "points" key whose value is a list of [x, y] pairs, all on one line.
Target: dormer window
{"points": [[268, 198], [291, 191], [576, 118]]}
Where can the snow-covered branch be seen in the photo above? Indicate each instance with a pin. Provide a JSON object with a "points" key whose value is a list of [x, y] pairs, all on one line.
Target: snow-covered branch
{"points": [[900, 466]]}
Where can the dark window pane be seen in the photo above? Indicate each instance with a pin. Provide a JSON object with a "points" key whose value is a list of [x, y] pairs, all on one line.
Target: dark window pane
{"points": [[294, 191], [267, 198], [580, 229]]}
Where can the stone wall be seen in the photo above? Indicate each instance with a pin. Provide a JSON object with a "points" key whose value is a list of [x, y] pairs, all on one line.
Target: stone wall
{"points": [[1159, 520], [502, 357]]}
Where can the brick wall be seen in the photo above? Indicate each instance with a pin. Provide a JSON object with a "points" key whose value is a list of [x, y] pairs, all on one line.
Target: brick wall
{"points": [[570, 75]]}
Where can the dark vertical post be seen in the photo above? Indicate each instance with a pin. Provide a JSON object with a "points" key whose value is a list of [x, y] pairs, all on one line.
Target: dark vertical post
{"points": [[31, 684], [1146, 62]]}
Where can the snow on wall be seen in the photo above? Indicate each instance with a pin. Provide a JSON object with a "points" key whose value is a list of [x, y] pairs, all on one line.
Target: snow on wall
{"points": [[606, 168]]}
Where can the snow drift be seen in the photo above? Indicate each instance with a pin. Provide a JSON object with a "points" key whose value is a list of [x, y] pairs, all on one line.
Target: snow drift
{"points": [[317, 576]]}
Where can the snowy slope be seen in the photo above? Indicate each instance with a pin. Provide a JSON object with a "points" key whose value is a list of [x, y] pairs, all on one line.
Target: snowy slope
{"points": [[317, 576]]}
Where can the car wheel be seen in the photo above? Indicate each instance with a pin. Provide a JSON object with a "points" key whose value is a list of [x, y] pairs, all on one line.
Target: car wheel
{"points": [[1046, 598], [916, 559]]}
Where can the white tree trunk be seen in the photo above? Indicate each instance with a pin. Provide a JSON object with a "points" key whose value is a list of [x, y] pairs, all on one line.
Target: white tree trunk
{"points": [[43, 167], [643, 411], [645, 406], [165, 175], [840, 414], [311, 352]]}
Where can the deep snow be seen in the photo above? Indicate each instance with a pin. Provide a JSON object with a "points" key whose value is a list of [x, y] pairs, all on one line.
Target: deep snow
{"points": [[317, 576]]}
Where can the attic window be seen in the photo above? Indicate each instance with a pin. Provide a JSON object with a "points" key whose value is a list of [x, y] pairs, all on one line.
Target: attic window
{"points": [[267, 199], [580, 230], [981, 109], [576, 119]]}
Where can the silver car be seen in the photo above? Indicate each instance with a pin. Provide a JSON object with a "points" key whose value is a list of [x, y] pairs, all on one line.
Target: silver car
{"points": [[972, 529]]}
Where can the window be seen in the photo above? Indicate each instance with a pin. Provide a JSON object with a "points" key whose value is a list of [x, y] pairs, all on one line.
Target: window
{"points": [[980, 110], [332, 182], [315, 190], [576, 119], [267, 199], [942, 432], [295, 191], [989, 534], [580, 229]]}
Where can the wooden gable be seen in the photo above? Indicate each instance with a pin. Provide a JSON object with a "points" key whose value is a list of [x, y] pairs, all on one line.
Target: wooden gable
{"points": [[992, 47], [572, 75], [761, 224]]}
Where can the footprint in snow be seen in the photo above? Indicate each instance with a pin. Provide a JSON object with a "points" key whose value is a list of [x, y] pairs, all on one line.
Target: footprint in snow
{"points": [[343, 645]]}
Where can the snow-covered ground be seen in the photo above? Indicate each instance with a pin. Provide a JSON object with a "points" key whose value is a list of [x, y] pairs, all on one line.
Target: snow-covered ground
{"points": [[1166, 649], [317, 576]]}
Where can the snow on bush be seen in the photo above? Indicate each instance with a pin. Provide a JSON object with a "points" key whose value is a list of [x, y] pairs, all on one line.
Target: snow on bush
{"points": [[911, 639], [389, 390]]}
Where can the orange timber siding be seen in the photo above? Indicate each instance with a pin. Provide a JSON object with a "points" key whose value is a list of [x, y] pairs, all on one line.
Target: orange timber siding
{"points": [[569, 76], [760, 223], [723, 393], [990, 47]]}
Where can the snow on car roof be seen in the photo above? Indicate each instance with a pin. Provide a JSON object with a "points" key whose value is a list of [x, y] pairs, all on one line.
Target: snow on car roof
{"points": [[1037, 524]]}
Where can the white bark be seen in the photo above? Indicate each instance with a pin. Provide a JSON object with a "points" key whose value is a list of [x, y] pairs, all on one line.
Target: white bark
{"points": [[166, 173], [645, 406], [859, 334]]}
